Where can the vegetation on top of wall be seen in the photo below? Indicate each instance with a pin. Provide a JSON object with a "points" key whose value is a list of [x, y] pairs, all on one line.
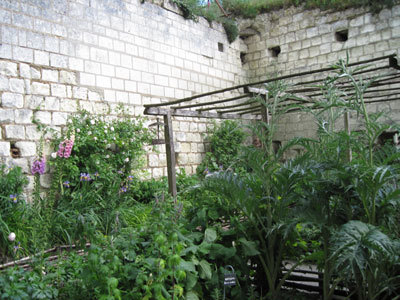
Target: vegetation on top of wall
{"points": [[192, 9]]}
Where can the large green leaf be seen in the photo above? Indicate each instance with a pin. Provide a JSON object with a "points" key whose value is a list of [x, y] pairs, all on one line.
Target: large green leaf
{"points": [[210, 235], [249, 247], [218, 250], [191, 281], [191, 296], [205, 270], [187, 266]]}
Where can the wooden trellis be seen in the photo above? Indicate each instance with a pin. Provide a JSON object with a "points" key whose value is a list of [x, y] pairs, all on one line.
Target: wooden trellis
{"points": [[240, 102]]}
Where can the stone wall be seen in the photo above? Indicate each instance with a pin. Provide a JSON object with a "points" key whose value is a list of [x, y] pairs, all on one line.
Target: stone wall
{"points": [[59, 55], [308, 40]]}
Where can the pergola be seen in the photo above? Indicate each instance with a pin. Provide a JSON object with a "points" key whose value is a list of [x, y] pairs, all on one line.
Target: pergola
{"points": [[238, 102]]}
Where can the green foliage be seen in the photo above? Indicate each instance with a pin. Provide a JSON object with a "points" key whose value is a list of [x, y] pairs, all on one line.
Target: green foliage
{"points": [[95, 181], [363, 253], [231, 29], [17, 284], [225, 141], [159, 260], [100, 146], [191, 9], [13, 211]]}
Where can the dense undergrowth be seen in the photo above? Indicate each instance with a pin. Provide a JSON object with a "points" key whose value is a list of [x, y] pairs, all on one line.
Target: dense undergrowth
{"points": [[233, 9], [248, 207]]}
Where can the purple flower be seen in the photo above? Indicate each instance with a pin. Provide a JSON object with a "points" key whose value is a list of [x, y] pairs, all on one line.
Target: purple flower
{"points": [[96, 174], [123, 189], [66, 184], [206, 171], [38, 166], [85, 177], [120, 172], [14, 198], [130, 178]]}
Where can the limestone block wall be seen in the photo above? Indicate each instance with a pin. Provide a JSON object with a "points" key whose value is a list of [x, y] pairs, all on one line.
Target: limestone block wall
{"points": [[60, 55], [309, 40]]}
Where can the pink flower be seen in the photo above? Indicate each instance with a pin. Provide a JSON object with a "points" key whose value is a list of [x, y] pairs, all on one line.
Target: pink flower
{"points": [[65, 148]]}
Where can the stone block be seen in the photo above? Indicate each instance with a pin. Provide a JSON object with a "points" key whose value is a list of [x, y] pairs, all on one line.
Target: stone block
{"points": [[182, 159], [60, 118], [185, 147], [367, 28], [17, 85], [23, 116], [38, 88], [194, 127], [4, 149], [15, 132], [99, 55], [12, 100], [162, 160], [50, 75], [94, 96], [58, 90], [157, 172], [26, 148], [358, 21], [58, 61], [24, 70], [41, 58], [87, 79], [68, 105], [76, 64], [23, 54], [35, 73], [8, 68], [153, 160], [6, 116], [43, 117], [32, 133], [68, 77], [4, 83], [45, 181], [19, 162], [51, 44], [103, 81], [79, 93]]}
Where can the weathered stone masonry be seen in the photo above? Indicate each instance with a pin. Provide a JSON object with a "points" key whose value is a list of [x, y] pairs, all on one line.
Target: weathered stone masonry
{"points": [[59, 55], [56, 56], [309, 40]]}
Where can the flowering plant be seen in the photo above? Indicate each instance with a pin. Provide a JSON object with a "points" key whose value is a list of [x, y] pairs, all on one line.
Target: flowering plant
{"points": [[13, 221], [94, 162], [91, 143], [39, 166]]}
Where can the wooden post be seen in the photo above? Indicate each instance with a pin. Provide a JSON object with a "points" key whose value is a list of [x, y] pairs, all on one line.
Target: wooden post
{"points": [[348, 131], [170, 149]]}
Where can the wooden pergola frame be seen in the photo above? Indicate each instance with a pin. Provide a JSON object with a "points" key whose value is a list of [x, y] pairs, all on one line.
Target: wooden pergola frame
{"points": [[386, 88]]}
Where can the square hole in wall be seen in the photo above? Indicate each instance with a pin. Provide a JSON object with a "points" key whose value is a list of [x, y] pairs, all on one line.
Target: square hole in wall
{"points": [[220, 47], [342, 35], [275, 51], [243, 57]]}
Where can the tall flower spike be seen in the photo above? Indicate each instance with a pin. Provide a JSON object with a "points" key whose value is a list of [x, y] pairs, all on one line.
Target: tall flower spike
{"points": [[38, 166], [65, 148]]}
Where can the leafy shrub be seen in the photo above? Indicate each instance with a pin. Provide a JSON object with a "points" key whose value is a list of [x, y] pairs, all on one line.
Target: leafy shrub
{"points": [[13, 222], [100, 146], [225, 141], [15, 283], [95, 169]]}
